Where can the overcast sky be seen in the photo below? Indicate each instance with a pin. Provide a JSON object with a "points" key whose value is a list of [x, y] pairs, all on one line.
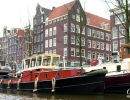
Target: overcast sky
{"points": [[15, 13]]}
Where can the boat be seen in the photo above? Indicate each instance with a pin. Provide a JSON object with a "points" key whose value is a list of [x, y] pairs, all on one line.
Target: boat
{"points": [[117, 80], [42, 73]]}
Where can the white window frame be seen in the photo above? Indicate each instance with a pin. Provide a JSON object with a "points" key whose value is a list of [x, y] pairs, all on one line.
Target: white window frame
{"points": [[73, 50], [54, 41], [50, 31], [46, 33], [50, 42], [46, 43], [54, 30], [65, 39]]}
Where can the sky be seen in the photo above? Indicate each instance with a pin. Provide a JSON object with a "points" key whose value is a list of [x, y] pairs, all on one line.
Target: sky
{"points": [[17, 13]]}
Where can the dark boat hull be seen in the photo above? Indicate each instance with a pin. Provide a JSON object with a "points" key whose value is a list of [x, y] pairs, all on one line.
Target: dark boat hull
{"points": [[90, 84], [117, 83]]}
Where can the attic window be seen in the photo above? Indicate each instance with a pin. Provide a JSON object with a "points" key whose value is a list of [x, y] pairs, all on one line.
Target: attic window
{"points": [[78, 10]]}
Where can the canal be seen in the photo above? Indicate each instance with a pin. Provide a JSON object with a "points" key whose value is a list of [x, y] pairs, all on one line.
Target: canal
{"points": [[8, 95]]}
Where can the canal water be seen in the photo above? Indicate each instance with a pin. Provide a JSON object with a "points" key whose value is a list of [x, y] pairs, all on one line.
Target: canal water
{"points": [[7, 95]]}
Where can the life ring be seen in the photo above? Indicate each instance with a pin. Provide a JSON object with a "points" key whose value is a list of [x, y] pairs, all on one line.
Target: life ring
{"points": [[53, 81]]}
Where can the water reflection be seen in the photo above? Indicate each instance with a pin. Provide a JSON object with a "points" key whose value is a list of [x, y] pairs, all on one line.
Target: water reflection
{"points": [[14, 95]]}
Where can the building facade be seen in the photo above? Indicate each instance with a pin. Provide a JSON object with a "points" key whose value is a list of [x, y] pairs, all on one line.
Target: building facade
{"points": [[117, 28], [67, 23], [98, 37], [39, 29], [15, 46]]}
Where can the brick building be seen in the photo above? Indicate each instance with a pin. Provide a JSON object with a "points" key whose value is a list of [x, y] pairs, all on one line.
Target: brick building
{"points": [[63, 29], [39, 29]]}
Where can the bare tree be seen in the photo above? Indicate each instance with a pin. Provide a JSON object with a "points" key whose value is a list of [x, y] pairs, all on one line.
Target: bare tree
{"points": [[123, 7]]}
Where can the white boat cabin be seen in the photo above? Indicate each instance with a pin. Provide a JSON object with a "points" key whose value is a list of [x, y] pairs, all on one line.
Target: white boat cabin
{"points": [[50, 61], [120, 62]]}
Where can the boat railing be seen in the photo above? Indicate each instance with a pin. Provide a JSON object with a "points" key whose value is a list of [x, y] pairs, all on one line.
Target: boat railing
{"points": [[123, 71]]}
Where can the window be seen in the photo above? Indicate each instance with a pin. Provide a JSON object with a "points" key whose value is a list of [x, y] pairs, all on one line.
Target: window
{"points": [[121, 30], [65, 39], [83, 30], [50, 31], [94, 55], [77, 41], [102, 35], [115, 45], [72, 51], [54, 41], [72, 27], [89, 43], [77, 18], [107, 47], [77, 52], [50, 42], [50, 51], [98, 34], [107, 36], [89, 32], [114, 32], [65, 27], [107, 57], [83, 41], [122, 41], [93, 33], [98, 45], [46, 51], [46, 43], [93, 44], [73, 16], [38, 49], [54, 30], [119, 18], [83, 52], [46, 33], [89, 55], [65, 51], [54, 51], [72, 39], [77, 29], [102, 46]]}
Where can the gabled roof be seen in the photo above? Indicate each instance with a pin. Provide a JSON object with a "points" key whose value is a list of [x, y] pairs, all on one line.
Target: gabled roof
{"points": [[61, 10], [97, 21], [20, 32]]}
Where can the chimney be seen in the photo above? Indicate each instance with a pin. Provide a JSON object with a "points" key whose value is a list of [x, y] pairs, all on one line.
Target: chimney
{"points": [[53, 8]]}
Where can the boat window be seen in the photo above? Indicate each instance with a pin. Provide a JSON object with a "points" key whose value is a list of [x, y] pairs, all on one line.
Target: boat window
{"points": [[33, 62], [55, 61], [39, 61], [46, 61], [27, 62], [118, 68]]}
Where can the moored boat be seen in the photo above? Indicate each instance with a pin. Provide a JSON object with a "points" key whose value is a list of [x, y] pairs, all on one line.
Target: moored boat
{"points": [[117, 80], [42, 73]]}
